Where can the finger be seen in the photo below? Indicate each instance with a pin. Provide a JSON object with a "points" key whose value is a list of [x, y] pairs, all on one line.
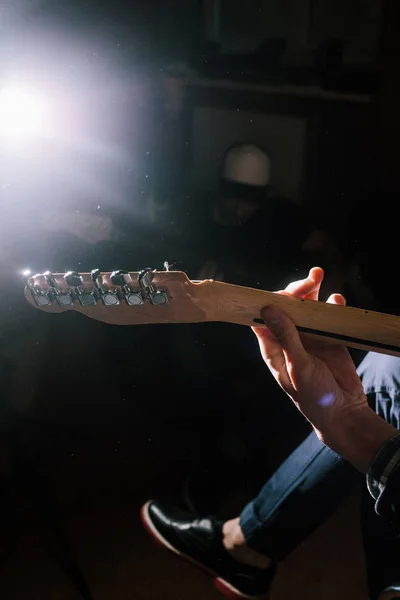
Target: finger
{"points": [[308, 287], [317, 275], [298, 361], [337, 299], [273, 356], [299, 288]]}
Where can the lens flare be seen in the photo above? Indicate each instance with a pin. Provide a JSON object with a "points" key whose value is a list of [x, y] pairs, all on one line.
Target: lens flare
{"points": [[22, 113]]}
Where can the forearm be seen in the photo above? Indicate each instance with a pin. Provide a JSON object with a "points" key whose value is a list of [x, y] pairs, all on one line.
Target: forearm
{"points": [[359, 437]]}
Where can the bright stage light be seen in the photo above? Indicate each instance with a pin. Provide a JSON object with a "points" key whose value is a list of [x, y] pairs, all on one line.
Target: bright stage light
{"points": [[22, 113]]}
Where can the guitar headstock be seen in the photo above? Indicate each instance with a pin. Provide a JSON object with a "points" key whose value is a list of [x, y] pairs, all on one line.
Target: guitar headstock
{"points": [[120, 297]]}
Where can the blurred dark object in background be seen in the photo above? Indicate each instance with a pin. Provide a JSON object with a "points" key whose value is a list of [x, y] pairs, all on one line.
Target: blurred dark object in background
{"points": [[325, 44]]}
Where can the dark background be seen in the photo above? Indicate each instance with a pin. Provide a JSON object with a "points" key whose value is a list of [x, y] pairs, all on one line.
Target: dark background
{"points": [[94, 414]]}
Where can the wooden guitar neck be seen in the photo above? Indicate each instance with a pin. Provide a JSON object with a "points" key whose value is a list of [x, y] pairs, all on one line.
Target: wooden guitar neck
{"points": [[354, 327], [135, 298]]}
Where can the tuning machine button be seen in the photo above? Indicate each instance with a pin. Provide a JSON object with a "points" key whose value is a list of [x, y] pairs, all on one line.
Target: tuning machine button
{"points": [[75, 280], [41, 298], [63, 298], [145, 280], [122, 280], [108, 297]]}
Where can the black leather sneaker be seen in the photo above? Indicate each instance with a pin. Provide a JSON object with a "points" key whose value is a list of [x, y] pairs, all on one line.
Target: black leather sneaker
{"points": [[199, 541]]}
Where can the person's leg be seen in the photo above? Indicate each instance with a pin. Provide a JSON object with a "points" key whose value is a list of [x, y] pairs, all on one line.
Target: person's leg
{"points": [[301, 495], [241, 553]]}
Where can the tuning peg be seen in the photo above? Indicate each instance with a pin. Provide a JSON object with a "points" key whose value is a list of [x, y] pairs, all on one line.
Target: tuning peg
{"points": [[49, 277], [118, 277], [108, 297], [121, 279], [97, 279], [75, 280], [41, 297], [145, 280], [63, 298]]}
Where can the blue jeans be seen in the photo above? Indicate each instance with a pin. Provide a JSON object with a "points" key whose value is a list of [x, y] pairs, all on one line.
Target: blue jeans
{"points": [[313, 480]]}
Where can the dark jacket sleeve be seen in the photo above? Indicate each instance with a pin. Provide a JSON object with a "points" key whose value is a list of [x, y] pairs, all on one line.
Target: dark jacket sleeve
{"points": [[383, 480]]}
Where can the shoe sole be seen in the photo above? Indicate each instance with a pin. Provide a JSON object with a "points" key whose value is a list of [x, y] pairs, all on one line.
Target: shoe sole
{"points": [[222, 586]]}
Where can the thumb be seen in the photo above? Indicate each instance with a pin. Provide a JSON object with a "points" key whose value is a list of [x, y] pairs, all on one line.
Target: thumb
{"points": [[287, 336]]}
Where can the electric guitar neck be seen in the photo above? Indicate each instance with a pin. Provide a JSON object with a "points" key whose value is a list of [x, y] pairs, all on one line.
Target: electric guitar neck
{"points": [[150, 297]]}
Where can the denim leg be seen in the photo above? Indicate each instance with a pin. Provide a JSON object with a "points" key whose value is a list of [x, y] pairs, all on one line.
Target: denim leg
{"points": [[300, 495]]}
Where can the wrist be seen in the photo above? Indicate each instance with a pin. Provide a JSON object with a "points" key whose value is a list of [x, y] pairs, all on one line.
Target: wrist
{"points": [[358, 436]]}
